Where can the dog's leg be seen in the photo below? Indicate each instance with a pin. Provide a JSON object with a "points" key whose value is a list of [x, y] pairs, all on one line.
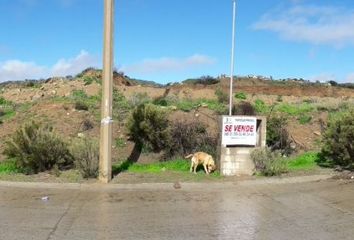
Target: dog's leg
{"points": [[195, 168], [206, 169], [191, 168]]}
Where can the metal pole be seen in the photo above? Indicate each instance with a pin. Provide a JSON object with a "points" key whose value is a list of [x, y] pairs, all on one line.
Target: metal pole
{"points": [[232, 55], [105, 166]]}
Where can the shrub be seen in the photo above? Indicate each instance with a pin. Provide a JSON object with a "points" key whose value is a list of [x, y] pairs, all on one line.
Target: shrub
{"points": [[205, 80], [269, 163], [277, 134], [139, 98], [241, 95], [120, 142], [304, 118], [295, 110], [81, 105], [79, 94], [86, 125], [121, 106], [37, 148], [187, 105], [148, 125], [160, 101], [2, 101], [243, 108], [260, 106], [221, 95], [86, 156], [187, 138], [338, 139]]}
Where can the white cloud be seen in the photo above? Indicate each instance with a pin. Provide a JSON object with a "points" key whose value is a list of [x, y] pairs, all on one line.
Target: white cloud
{"points": [[20, 70], [73, 65], [323, 77], [313, 24], [349, 78], [166, 64], [15, 70]]}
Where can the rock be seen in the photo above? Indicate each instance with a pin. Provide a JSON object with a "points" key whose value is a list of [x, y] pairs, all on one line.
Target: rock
{"points": [[81, 135], [317, 133], [177, 185]]}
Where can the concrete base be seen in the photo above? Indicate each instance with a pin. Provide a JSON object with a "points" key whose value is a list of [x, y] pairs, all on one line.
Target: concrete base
{"points": [[236, 161]]}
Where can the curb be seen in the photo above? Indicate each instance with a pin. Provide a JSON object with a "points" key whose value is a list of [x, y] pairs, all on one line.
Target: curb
{"points": [[163, 186]]}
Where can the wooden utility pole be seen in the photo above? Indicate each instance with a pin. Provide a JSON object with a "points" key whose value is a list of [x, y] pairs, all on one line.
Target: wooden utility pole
{"points": [[105, 166]]}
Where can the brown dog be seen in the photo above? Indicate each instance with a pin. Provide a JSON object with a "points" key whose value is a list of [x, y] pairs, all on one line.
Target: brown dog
{"points": [[202, 158]]}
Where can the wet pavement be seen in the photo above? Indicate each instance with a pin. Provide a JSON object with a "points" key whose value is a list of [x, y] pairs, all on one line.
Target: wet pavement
{"points": [[308, 210]]}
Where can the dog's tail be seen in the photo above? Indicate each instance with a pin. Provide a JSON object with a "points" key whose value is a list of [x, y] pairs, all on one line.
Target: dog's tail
{"points": [[190, 155]]}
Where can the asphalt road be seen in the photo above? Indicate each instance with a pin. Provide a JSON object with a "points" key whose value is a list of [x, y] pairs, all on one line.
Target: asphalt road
{"points": [[315, 210]]}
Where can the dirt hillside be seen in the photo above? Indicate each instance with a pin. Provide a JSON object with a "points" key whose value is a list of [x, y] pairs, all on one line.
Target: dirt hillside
{"points": [[51, 102]]}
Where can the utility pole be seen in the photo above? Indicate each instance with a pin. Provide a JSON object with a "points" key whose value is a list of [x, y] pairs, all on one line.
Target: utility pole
{"points": [[232, 55], [105, 165]]}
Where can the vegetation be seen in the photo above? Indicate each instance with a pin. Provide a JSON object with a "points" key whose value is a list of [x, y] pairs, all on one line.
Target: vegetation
{"points": [[304, 118], [86, 156], [7, 109], [338, 139], [277, 134], [294, 110], [37, 148], [221, 95], [268, 162], [205, 80], [260, 107], [243, 108], [187, 138], [241, 96], [84, 102], [9, 167], [306, 161], [148, 125]]}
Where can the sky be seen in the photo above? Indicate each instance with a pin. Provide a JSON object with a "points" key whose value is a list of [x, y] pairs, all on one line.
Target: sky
{"points": [[170, 41]]}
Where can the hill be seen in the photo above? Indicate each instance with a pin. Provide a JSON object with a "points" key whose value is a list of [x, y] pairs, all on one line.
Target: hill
{"points": [[56, 101]]}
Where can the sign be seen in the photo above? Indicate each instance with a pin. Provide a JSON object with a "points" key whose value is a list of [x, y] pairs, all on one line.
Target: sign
{"points": [[239, 130]]}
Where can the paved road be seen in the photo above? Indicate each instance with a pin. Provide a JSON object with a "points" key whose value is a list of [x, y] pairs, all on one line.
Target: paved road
{"points": [[317, 210]]}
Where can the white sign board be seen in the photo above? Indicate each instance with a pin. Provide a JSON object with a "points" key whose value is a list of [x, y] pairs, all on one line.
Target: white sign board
{"points": [[239, 130]]}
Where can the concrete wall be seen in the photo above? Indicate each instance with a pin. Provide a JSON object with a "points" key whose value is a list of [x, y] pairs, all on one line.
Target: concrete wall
{"points": [[236, 160]]}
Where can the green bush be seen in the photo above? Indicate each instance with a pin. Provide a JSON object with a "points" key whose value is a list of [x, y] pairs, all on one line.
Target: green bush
{"points": [[260, 106], [139, 98], [277, 134], [304, 119], [241, 95], [306, 161], [187, 105], [221, 95], [295, 109], [243, 108], [188, 138], [37, 148], [269, 163], [205, 80], [86, 156], [160, 101], [148, 125], [81, 105], [338, 139], [8, 167]]}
